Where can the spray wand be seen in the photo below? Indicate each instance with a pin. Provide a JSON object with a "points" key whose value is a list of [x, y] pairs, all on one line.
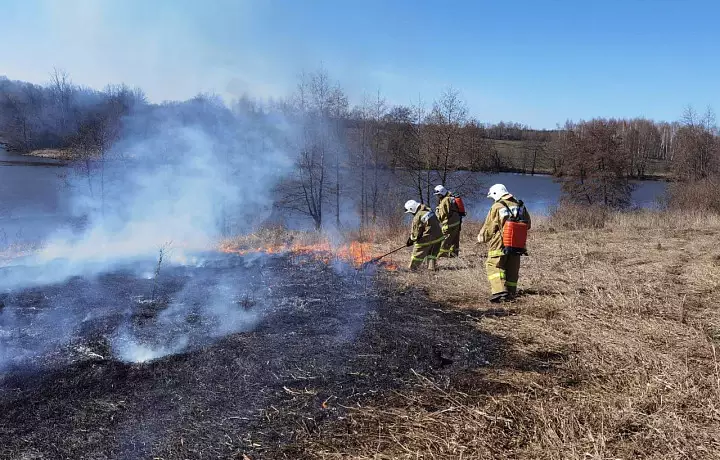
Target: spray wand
{"points": [[384, 255]]}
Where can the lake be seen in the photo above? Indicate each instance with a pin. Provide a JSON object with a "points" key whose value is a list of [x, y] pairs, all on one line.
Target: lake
{"points": [[540, 192], [33, 196]]}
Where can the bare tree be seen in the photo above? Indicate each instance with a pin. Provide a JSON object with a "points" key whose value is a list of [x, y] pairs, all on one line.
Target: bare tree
{"points": [[21, 113], [641, 142], [97, 132], [378, 109], [371, 138], [447, 118], [416, 158], [561, 143], [594, 165], [338, 108], [315, 102], [478, 152], [697, 149], [16, 132], [63, 93], [359, 139], [537, 146]]}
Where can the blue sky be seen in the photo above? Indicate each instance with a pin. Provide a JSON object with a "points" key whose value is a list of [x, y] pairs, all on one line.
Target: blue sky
{"points": [[535, 62]]}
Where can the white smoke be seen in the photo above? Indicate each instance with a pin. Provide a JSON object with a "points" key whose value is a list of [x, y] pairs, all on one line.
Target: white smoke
{"points": [[130, 350], [181, 184], [209, 306], [179, 178]]}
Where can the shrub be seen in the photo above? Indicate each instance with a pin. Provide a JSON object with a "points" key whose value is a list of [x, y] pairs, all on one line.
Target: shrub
{"points": [[701, 195], [575, 217]]}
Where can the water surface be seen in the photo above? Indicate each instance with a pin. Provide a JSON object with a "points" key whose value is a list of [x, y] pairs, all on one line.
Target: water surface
{"points": [[34, 196]]}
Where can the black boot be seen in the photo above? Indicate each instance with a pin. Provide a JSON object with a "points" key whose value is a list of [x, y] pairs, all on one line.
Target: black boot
{"points": [[499, 297]]}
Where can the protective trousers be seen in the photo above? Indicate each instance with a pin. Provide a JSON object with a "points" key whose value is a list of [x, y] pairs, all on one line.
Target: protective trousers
{"points": [[451, 244], [425, 252], [503, 272]]}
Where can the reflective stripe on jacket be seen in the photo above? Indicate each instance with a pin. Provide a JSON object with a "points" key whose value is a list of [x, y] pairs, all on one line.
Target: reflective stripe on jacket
{"points": [[425, 227], [448, 213]]}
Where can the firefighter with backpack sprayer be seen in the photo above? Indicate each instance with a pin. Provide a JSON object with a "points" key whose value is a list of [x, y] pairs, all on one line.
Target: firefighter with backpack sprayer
{"points": [[505, 232], [425, 235], [450, 211]]}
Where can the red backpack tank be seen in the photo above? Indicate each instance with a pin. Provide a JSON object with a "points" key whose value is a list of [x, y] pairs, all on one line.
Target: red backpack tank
{"points": [[460, 205], [514, 232]]}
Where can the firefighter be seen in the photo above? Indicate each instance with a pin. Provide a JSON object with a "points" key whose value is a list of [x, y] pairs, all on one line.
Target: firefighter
{"points": [[426, 235], [502, 269], [450, 220]]}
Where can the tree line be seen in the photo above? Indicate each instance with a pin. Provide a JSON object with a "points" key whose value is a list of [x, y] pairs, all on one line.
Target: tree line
{"points": [[62, 115], [355, 153], [596, 160], [371, 155]]}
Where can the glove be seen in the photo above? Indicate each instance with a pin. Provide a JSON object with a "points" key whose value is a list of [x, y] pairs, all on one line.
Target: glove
{"points": [[409, 242]]}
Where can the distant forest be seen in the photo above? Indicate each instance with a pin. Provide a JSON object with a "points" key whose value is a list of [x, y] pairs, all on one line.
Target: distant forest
{"points": [[595, 160]]}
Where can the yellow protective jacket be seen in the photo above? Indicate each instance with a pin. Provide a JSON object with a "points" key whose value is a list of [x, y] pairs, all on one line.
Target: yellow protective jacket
{"points": [[491, 232], [425, 227], [448, 213]]}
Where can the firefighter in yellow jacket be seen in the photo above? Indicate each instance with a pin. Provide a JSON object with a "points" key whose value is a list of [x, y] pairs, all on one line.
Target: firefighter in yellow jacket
{"points": [[425, 235], [450, 221], [502, 269]]}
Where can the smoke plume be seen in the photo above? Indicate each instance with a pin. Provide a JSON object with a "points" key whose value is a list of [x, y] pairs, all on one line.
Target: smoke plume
{"points": [[179, 177]]}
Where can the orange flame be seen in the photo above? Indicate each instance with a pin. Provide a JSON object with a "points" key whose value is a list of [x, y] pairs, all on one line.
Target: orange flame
{"points": [[355, 253]]}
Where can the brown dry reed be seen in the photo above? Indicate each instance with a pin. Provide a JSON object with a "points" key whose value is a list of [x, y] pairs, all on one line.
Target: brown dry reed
{"points": [[619, 318]]}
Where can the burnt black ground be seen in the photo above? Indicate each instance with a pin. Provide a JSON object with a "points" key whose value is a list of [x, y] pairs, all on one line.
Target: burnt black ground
{"points": [[327, 341]]}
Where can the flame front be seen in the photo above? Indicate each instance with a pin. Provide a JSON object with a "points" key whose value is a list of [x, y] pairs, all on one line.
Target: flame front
{"points": [[355, 253]]}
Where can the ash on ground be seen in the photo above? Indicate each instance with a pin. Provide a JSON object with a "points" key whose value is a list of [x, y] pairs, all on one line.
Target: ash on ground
{"points": [[304, 344], [134, 314]]}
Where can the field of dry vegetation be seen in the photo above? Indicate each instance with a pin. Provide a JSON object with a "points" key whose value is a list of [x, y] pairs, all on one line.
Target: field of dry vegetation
{"points": [[611, 351]]}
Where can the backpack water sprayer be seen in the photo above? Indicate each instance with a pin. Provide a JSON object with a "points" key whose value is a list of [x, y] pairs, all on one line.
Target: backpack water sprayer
{"points": [[514, 231], [460, 205]]}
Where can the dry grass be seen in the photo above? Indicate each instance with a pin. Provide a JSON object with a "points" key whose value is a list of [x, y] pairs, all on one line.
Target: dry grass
{"points": [[58, 154], [611, 352], [615, 350], [700, 195], [272, 237]]}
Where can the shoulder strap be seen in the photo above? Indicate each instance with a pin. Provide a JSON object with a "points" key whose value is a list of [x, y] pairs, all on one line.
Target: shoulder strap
{"points": [[510, 213], [521, 211], [502, 202]]}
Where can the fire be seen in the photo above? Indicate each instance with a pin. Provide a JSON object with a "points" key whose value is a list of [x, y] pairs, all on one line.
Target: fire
{"points": [[355, 253]]}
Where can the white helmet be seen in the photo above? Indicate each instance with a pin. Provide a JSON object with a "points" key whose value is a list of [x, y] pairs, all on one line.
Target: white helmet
{"points": [[497, 191], [440, 190], [411, 206]]}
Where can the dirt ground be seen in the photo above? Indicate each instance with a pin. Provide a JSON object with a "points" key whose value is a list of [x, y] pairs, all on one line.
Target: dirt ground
{"points": [[610, 352]]}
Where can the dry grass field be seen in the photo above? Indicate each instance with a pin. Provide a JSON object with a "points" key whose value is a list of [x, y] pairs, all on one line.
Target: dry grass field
{"points": [[612, 350]]}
